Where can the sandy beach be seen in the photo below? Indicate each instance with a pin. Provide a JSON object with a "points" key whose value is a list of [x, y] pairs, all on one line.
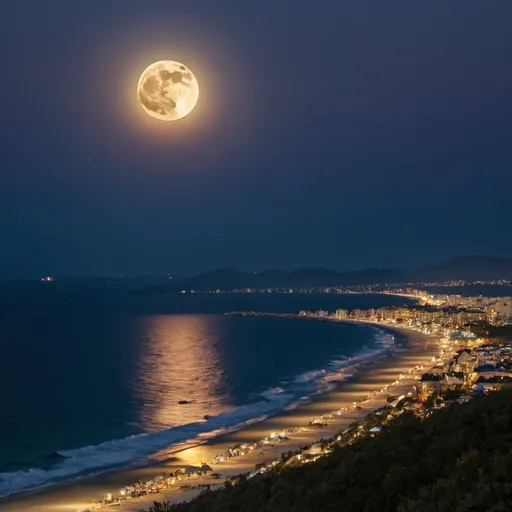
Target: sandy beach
{"points": [[370, 376]]}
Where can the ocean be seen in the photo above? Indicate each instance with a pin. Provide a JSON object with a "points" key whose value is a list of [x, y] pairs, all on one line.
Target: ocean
{"points": [[93, 380]]}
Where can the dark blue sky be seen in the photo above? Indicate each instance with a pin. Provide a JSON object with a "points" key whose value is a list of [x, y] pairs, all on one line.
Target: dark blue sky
{"points": [[344, 134]]}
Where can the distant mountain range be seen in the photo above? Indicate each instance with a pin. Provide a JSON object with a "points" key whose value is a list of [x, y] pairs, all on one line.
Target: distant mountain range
{"points": [[472, 268], [469, 268]]}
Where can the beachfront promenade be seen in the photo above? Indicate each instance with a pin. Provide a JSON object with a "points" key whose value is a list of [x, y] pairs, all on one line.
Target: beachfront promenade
{"points": [[391, 382], [255, 446]]}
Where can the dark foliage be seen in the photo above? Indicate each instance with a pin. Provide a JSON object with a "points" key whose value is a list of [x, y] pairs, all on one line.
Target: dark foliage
{"points": [[458, 459], [160, 507]]}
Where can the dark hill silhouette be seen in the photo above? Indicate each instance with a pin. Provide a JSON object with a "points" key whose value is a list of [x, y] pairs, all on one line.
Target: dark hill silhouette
{"points": [[232, 279], [471, 268]]}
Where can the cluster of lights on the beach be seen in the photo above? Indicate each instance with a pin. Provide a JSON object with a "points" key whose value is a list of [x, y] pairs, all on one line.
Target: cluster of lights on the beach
{"points": [[405, 386], [305, 457]]}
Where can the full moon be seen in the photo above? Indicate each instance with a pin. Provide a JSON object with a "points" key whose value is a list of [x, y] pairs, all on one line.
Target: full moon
{"points": [[168, 90]]}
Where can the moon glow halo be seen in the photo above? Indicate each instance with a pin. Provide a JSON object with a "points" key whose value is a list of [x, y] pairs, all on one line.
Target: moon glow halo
{"points": [[168, 90]]}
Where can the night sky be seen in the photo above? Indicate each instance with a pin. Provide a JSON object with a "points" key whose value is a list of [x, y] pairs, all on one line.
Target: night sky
{"points": [[339, 134]]}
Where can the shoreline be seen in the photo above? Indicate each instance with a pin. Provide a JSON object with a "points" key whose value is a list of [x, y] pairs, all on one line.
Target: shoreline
{"points": [[370, 376]]}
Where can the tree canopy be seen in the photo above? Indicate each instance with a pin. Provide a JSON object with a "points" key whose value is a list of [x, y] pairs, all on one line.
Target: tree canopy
{"points": [[458, 459]]}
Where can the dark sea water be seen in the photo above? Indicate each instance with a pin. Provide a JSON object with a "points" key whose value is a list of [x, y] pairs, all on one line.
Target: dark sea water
{"points": [[92, 380]]}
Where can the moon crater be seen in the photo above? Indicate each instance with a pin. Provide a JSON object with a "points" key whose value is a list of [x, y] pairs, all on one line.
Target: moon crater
{"points": [[168, 90]]}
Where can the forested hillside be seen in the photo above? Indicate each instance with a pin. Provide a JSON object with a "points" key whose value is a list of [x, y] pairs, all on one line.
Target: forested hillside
{"points": [[458, 459]]}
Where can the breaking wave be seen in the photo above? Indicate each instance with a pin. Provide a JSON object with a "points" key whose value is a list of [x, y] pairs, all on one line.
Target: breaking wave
{"points": [[82, 461]]}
